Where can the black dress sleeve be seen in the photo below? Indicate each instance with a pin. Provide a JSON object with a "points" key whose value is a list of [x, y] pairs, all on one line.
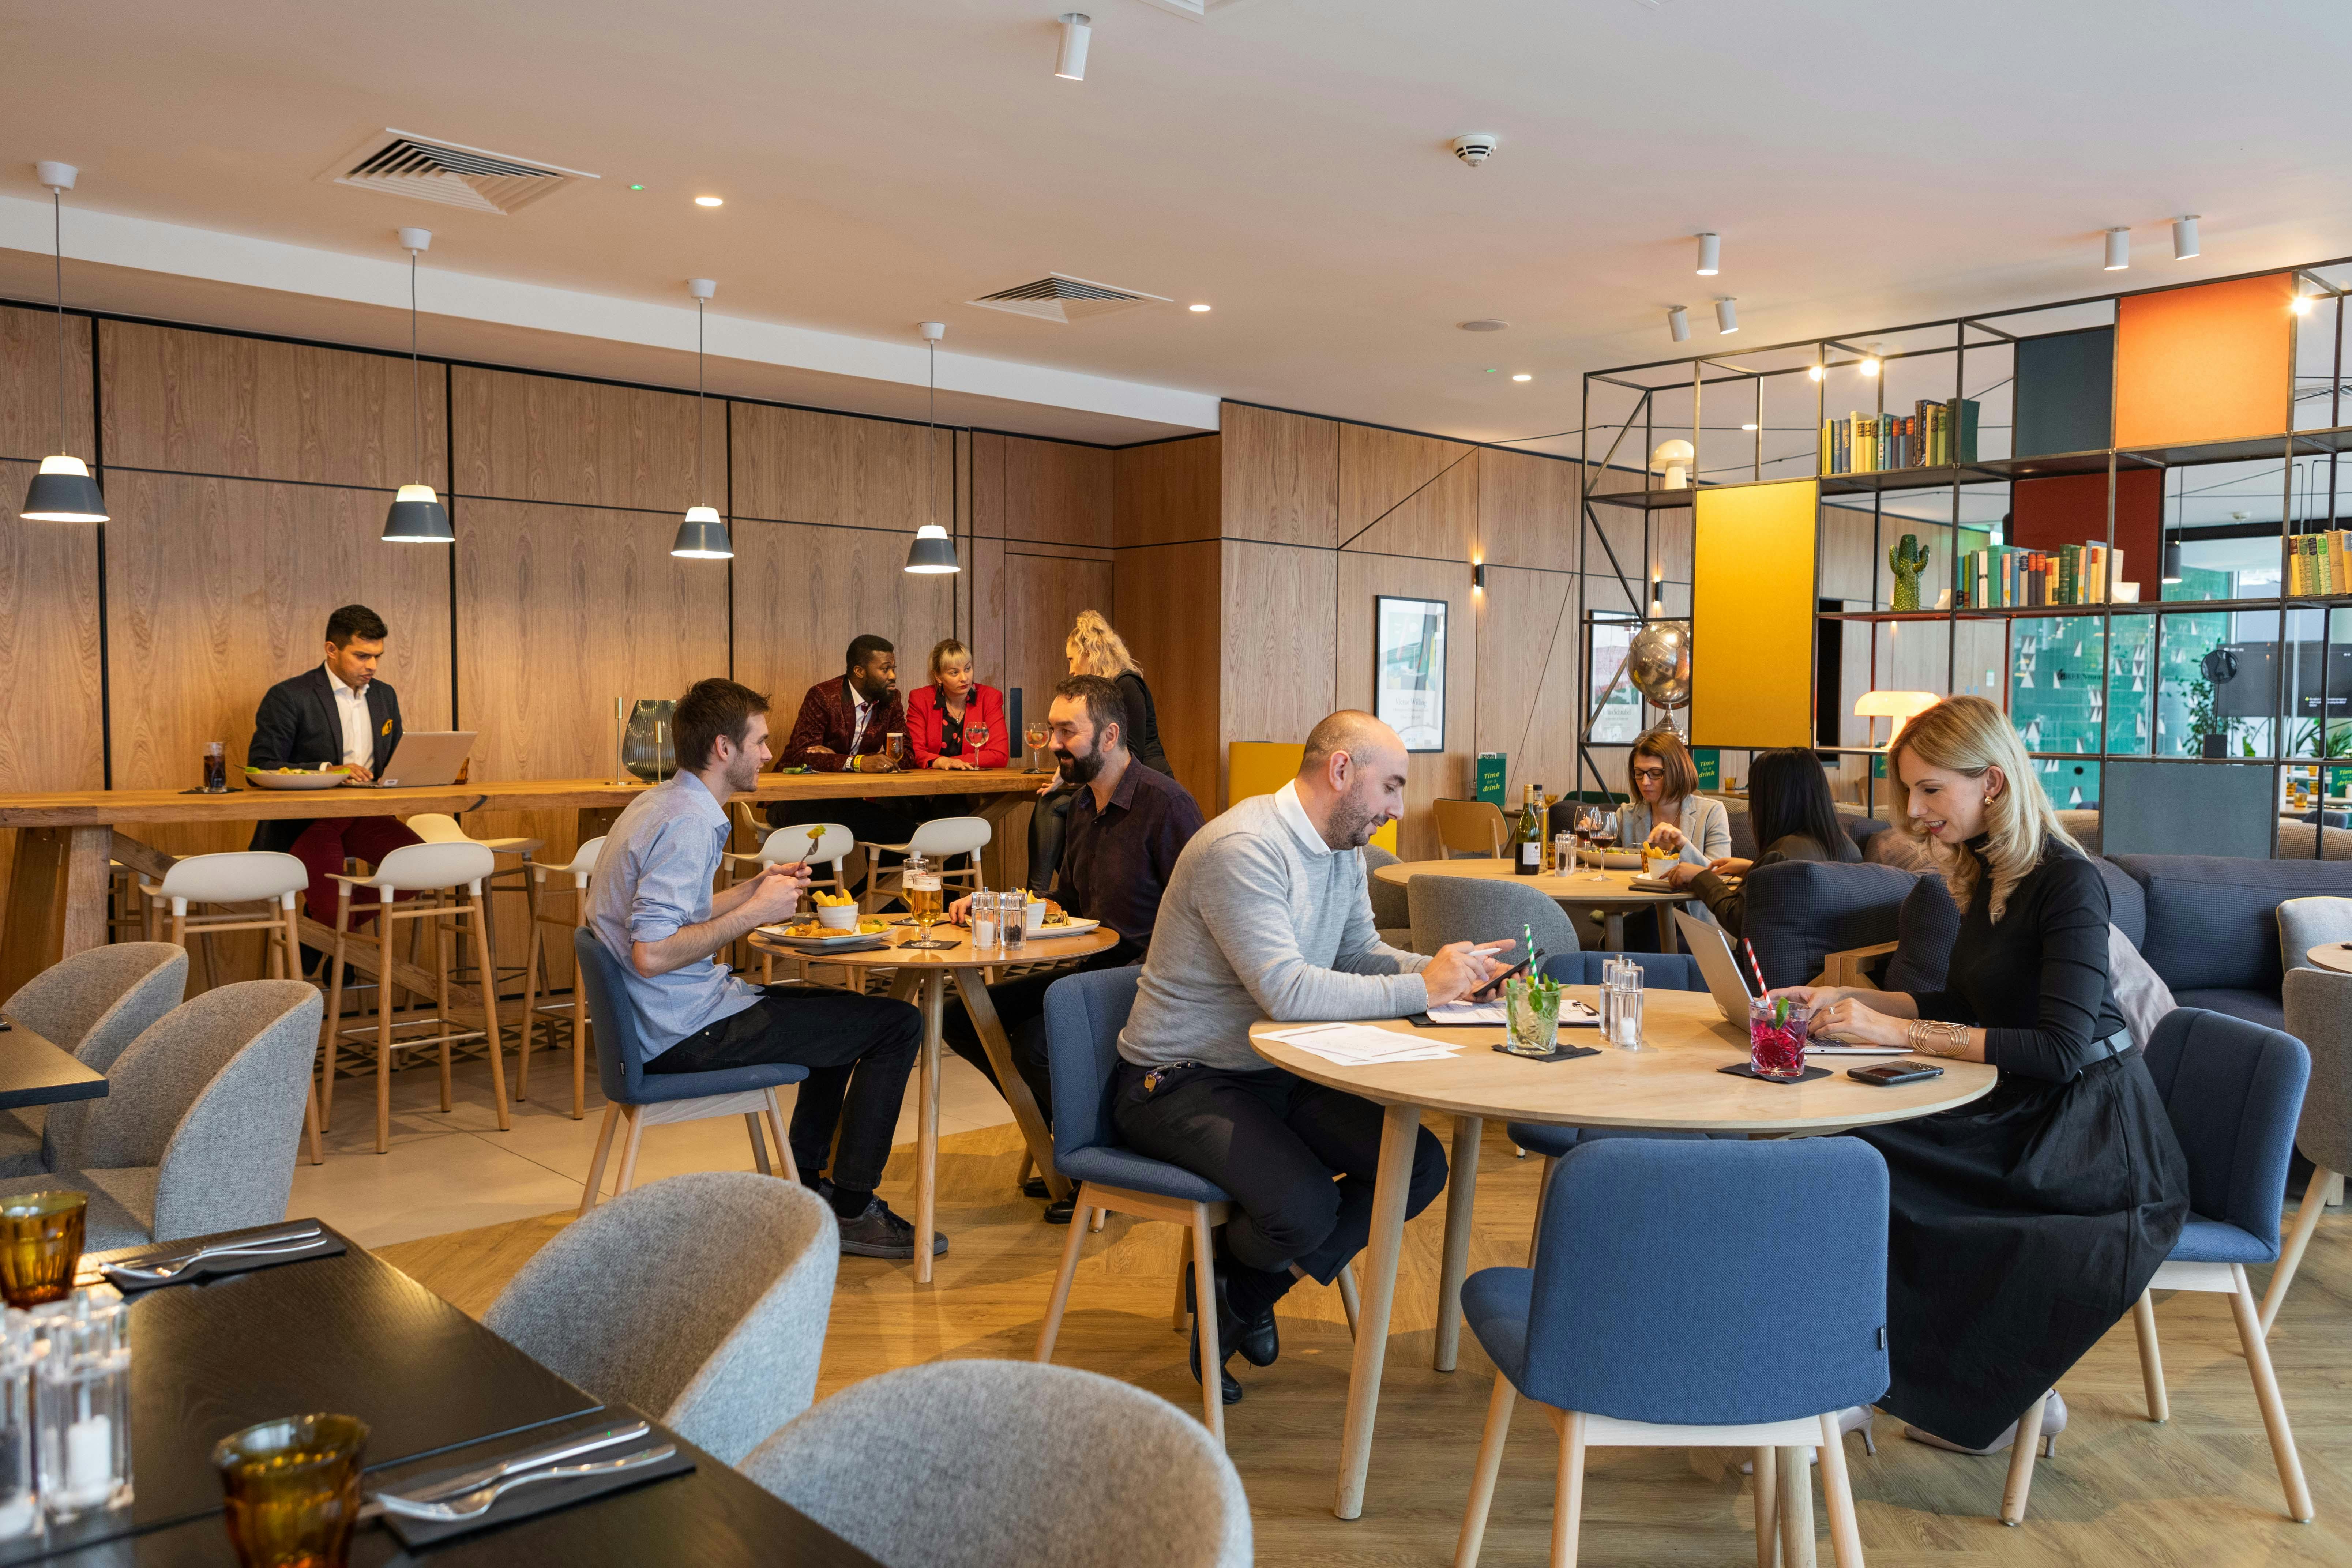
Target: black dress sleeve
{"points": [[1142, 725], [2070, 914]]}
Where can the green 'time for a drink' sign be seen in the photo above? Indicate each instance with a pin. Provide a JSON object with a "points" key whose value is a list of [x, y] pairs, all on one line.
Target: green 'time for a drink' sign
{"points": [[1491, 769], [1710, 766]]}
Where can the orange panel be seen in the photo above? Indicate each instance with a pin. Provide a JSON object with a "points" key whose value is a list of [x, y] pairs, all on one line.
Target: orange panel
{"points": [[2209, 363]]}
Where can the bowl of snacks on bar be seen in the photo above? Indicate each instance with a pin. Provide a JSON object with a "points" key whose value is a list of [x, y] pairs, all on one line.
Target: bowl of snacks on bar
{"points": [[325, 777], [835, 911]]}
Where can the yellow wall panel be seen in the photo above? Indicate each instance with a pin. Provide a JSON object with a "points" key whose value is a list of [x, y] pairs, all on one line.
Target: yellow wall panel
{"points": [[1261, 767], [1752, 616]]}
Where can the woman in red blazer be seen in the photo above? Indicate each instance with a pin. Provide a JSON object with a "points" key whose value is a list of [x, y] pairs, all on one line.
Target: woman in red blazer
{"points": [[956, 723]]}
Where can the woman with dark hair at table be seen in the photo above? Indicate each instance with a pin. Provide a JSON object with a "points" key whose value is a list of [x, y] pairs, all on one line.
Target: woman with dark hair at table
{"points": [[2026, 1224], [1789, 808]]}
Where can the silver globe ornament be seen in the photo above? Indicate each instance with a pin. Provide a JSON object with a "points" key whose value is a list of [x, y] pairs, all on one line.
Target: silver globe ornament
{"points": [[1658, 663]]}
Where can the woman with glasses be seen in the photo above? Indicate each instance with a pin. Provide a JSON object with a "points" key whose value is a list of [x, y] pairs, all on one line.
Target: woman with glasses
{"points": [[1666, 809]]}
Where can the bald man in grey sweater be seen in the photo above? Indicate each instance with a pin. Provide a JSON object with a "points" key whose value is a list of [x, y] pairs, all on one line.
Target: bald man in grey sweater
{"points": [[1266, 916]]}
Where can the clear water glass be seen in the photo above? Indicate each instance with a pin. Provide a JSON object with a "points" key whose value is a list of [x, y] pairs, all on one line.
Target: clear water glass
{"points": [[21, 1348], [82, 1401]]}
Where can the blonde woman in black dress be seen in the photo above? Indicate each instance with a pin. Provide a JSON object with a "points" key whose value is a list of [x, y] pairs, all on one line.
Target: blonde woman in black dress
{"points": [[2026, 1223]]}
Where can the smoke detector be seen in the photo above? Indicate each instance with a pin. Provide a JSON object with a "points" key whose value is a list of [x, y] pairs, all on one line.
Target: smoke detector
{"points": [[1057, 296], [1475, 148], [401, 164]]}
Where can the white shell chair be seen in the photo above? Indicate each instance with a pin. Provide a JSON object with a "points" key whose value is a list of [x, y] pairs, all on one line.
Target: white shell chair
{"points": [[939, 840], [534, 964], [435, 827], [815, 843], [417, 868], [263, 877]]}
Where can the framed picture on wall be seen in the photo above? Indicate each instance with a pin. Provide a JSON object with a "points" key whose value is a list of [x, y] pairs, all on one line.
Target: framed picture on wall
{"points": [[1408, 670]]}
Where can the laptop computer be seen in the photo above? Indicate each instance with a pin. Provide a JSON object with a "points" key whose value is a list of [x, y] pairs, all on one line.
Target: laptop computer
{"points": [[426, 759], [1728, 983]]}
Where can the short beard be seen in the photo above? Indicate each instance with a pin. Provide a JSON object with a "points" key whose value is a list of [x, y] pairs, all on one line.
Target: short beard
{"points": [[1080, 770], [1352, 825]]}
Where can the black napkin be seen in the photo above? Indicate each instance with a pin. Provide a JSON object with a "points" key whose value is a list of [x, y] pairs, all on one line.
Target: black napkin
{"points": [[539, 1497], [1742, 1069], [328, 1245]]}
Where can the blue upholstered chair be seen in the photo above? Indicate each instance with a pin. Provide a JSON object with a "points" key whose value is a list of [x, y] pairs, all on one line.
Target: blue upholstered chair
{"points": [[1668, 1308], [1660, 971], [633, 1096], [1084, 1014], [2233, 1088]]}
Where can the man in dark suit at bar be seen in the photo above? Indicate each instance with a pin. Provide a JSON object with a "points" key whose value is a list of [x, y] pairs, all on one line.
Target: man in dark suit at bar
{"points": [[842, 726], [338, 712]]}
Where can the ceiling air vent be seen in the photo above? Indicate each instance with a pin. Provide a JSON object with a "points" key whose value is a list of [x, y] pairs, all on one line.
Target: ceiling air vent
{"points": [[401, 164], [1054, 297]]}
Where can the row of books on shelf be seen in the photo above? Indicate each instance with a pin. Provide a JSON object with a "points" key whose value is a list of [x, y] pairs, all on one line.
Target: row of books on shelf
{"points": [[2320, 562], [2003, 576], [1934, 435]]}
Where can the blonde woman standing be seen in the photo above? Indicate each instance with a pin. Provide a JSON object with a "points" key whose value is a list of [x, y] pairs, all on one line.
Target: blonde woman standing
{"points": [[2026, 1225], [1093, 649]]}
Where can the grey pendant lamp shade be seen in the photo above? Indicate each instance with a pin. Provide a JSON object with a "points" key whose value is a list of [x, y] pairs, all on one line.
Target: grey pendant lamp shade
{"points": [[932, 553], [703, 535], [417, 516], [63, 491]]}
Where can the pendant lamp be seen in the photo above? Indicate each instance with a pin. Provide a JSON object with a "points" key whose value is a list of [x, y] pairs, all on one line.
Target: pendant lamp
{"points": [[933, 552], [703, 535], [417, 516], [62, 491]]}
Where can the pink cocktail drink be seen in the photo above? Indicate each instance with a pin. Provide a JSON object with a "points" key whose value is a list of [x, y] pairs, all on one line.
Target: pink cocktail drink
{"points": [[1776, 1039]]}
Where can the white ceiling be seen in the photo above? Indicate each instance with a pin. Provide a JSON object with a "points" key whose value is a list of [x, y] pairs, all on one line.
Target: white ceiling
{"points": [[1285, 161]]}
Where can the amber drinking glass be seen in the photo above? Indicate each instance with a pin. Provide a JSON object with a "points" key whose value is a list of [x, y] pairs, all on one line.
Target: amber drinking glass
{"points": [[40, 1245], [293, 1490]]}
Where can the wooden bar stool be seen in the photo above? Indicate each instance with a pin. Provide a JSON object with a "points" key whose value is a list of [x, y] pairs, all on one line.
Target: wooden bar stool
{"points": [[818, 844], [939, 840], [435, 827], [240, 876], [534, 964], [440, 869]]}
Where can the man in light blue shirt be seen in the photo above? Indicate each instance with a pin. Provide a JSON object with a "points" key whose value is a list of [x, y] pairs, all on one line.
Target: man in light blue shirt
{"points": [[651, 906]]}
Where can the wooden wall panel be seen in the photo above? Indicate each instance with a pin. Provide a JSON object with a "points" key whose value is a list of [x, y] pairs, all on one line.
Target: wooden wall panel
{"points": [[49, 688], [796, 465], [801, 593], [1527, 510], [1167, 492], [28, 388], [1527, 644], [542, 438], [1043, 597], [1437, 521], [1278, 619], [1056, 492], [219, 588], [1407, 495], [1170, 602], [1670, 546], [1428, 774], [1281, 477], [211, 402]]}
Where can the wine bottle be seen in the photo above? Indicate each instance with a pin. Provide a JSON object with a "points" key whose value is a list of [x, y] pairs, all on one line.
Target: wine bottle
{"points": [[1527, 842]]}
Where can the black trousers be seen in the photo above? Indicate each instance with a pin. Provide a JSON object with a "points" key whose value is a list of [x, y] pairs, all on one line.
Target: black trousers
{"points": [[1020, 1005], [859, 1051], [1275, 1142], [1047, 825]]}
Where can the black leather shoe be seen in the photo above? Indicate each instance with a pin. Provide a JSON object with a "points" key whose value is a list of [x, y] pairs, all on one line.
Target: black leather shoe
{"points": [[879, 1233], [1228, 1387], [1062, 1211], [1034, 1187], [1259, 1343]]}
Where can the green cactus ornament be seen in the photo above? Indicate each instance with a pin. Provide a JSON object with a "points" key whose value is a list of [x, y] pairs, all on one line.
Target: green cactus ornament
{"points": [[1907, 559]]}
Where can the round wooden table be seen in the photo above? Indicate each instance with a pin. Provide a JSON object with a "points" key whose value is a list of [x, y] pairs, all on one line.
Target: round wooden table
{"points": [[922, 977], [1610, 892], [2334, 956], [1675, 1085]]}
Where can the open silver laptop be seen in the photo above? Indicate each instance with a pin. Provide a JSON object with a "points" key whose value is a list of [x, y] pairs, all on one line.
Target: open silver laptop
{"points": [[1727, 982], [427, 759]]}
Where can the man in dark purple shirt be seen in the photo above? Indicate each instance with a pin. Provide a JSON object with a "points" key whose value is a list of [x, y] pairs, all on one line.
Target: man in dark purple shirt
{"points": [[1127, 824]]}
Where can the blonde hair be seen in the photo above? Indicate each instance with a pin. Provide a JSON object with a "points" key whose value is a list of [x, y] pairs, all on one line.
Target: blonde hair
{"points": [[1664, 747], [947, 648], [1970, 735], [1098, 649]]}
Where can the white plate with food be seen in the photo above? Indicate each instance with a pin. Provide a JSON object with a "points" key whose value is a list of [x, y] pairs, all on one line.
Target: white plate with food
{"points": [[809, 935], [295, 778], [1076, 925]]}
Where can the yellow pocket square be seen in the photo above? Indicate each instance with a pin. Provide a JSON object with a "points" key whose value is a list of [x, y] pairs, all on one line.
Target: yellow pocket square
{"points": [[388, 727]]}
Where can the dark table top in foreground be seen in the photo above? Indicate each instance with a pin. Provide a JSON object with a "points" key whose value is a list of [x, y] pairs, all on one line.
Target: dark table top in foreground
{"points": [[33, 1071]]}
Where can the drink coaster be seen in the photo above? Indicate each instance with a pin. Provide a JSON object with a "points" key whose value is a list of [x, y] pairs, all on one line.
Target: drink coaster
{"points": [[1557, 1053], [1742, 1069]]}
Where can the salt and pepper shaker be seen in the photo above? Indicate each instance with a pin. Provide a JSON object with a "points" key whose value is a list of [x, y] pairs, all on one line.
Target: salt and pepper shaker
{"points": [[82, 1401]]}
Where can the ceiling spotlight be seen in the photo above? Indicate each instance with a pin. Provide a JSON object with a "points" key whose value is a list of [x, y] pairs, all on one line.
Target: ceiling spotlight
{"points": [[1482, 326], [1070, 65], [1678, 322], [1710, 253], [1748, 426], [2118, 250], [1816, 372], [1726, 315], [1869, 367], [1198, 309], [710, 201], [1523, 376], [2301, 306], [2184, 238]]}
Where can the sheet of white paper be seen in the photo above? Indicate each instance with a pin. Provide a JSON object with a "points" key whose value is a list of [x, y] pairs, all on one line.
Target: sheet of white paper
{"points": [[1466, 1013], [1358, 1043]]}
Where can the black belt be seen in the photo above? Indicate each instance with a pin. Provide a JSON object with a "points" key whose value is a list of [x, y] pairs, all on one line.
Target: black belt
{"points": [[2115, 1045]]}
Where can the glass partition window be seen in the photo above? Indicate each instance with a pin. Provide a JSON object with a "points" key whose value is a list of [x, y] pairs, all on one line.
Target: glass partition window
{"points": [[2057, 702]]}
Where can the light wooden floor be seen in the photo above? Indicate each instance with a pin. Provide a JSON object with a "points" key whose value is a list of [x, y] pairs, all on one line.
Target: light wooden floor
{"points": [[2199, 1492]]}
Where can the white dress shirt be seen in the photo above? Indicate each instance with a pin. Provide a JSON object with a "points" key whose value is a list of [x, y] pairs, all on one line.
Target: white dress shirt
{"points": [[352, 707], [865, 710]]}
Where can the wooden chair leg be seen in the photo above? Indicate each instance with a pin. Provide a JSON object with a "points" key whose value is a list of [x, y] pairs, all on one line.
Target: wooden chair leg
{"points": [[443, 944], [1050, 1330], [759, 1143], [2266, 1395], [1543, 1187], [384, 989], [1767, 1465], [534, 957], [479, 920], [1181, 1319], [2151, 1358], [1837, 1490], [1213, 1359], [1028, 1164], [2021, 1462], [1482, 1482], [629, 1149], [775, 1115], [1101, 1216], [1349, 1300], [330, 1033], [2306, 1220], [596, 1166], [1568, 1493], [580, 1026]]}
